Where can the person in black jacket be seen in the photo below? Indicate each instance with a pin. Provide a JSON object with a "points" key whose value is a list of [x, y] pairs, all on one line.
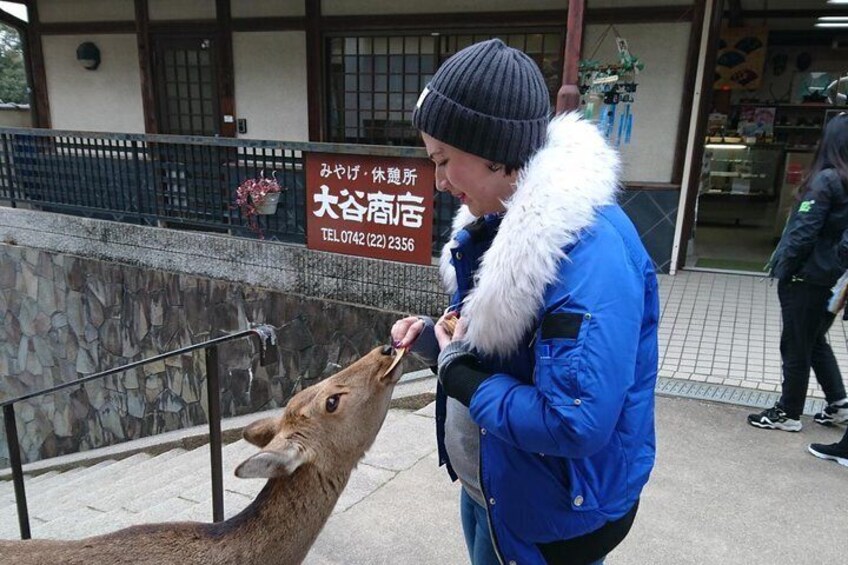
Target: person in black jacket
{"points": [[837, 451], [806, 266]]}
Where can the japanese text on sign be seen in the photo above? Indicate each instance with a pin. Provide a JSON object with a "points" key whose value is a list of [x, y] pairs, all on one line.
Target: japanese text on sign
{"points": [[370, 206], [378, 208], [379, 175]]}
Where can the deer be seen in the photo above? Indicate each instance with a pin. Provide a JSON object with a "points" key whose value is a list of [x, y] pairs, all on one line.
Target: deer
{"points": [[307, 454]]}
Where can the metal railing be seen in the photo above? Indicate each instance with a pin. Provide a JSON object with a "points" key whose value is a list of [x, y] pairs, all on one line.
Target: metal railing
{"points": [[186, 182], [267, 348]]}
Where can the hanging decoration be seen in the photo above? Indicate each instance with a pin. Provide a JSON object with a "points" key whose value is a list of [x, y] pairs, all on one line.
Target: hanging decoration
{"points": [[608, 91]]}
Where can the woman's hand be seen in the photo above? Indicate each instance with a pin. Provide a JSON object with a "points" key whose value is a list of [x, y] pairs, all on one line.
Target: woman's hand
{"points": [[406, 331], [450, 327]]}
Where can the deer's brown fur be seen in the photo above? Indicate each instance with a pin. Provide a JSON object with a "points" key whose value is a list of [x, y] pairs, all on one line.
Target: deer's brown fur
{"points": [[307, 454]]}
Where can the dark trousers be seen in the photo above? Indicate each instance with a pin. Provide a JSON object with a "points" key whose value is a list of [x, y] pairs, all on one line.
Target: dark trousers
{"points": [[803, 345]]}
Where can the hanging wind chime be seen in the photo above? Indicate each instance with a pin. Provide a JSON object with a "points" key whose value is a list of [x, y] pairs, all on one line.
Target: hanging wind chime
{"points": [[608, 91]]}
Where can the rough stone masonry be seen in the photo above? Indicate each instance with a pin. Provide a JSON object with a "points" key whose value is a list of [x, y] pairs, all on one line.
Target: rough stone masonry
{"points": [[63, 316]]}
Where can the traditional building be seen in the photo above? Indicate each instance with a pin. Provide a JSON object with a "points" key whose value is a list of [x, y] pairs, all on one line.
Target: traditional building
{"points": [[349, 71]]}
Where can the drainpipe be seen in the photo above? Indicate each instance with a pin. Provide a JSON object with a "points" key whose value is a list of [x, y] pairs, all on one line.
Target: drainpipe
{"points": [[568, 97]]}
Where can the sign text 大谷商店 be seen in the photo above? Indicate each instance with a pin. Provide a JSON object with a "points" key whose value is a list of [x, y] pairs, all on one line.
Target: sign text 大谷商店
{"points": [[370, 206]]}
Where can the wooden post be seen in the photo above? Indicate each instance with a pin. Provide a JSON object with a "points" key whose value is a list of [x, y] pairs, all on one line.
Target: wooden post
{"points": [[38, 76], [568, 97], [313, 69], [691, 180], [227, 77], [145, 66], [690, 76]]}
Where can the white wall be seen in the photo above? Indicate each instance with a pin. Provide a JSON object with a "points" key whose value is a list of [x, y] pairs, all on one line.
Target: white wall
{"points": [[270, 84], [662, 47], [113, 10], [85, 10], [267, 8], [15, 118], [182, 9], [107, 99], [350, 7], [591, 4], [784, 4]]}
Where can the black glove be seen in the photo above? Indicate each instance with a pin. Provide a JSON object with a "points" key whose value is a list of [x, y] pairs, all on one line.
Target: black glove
{"points": [[460, 371]]}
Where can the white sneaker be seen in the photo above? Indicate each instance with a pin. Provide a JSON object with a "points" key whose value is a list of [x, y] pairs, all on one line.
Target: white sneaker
{"points": [[835, 413], [774, 419]]}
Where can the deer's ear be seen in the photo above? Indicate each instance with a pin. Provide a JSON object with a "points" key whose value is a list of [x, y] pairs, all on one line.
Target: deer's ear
{"points": [[261, 432], [275, 461]]}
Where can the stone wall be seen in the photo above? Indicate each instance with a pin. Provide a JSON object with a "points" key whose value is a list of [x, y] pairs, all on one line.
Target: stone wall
{"points": [[64, 316], [386, 285]]}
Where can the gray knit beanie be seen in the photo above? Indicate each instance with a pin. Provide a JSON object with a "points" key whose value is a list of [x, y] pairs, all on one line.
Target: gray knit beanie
{"points": [[489, 100]]}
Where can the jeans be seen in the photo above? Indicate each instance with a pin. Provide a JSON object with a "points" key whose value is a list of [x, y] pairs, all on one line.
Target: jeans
{"points": [[478, 539], [803, 344]]}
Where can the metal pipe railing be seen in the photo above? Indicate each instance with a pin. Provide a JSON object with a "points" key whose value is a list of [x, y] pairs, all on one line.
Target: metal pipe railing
{"points": [[214, 394], [17, 474], [267, 345]]}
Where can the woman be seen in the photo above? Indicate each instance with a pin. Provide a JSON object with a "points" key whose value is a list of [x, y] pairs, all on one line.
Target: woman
{"points": [[545, 405], [837, 412], [806, 266]]}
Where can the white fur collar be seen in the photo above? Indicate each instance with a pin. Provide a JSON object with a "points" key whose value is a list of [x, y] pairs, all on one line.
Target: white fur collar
{"points": [[556, 197]]}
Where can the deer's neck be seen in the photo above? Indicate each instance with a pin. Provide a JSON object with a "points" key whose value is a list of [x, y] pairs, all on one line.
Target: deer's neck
{"points": [[279, 526], [284, 520]]}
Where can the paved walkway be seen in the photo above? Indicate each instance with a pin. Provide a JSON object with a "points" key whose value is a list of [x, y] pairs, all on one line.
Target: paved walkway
{"points": [[724, 330], [722, 493]]}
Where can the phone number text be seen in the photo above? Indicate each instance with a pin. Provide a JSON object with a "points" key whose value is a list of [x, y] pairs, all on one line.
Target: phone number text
{"points": [[369, 240]]}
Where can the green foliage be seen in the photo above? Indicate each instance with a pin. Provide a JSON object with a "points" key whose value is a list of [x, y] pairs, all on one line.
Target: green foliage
{"points": [[631, 63], [626, 63], [589, 65], [13, 84]]}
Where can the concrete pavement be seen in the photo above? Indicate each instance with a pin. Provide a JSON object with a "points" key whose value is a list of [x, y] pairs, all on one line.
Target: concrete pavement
{"points": [[722, 493]]}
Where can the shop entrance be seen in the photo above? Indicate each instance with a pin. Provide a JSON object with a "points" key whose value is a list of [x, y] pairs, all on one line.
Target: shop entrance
{"points": [[779, 76]]}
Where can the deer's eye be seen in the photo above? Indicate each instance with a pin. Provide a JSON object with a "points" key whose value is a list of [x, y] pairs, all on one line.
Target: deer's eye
{"points": [[333, 402]]}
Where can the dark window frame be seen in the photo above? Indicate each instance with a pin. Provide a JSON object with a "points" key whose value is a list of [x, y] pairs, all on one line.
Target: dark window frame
{"points": [[396, 128], [170, 118]]}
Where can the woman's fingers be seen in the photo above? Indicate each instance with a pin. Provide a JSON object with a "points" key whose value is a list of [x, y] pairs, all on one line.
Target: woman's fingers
{"points": [[406, 331], [445, 328], [412, 333], [442, 335], [460, 329], [400, 328]]}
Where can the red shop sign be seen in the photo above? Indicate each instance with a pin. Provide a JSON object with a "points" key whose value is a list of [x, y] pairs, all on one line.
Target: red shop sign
{"points": [[379, 207]]}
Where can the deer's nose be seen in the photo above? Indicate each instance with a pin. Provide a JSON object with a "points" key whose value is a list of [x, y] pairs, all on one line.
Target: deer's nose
{"points": [[387, 350]]}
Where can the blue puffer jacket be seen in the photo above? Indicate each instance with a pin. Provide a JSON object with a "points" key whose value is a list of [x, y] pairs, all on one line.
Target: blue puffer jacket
{"points": [[562, 305]]}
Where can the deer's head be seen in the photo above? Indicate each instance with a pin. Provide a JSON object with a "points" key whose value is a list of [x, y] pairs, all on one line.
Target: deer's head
{"points": [[329, 425]]}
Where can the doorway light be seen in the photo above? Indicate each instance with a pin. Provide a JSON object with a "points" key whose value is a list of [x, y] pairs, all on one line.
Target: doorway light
{"points": [[725, 146], [16, 9], [88, 55]]}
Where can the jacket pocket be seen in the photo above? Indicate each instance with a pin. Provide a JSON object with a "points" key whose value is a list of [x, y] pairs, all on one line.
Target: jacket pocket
{"points": [[599, 481], [559, 356], [580, 488]]}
